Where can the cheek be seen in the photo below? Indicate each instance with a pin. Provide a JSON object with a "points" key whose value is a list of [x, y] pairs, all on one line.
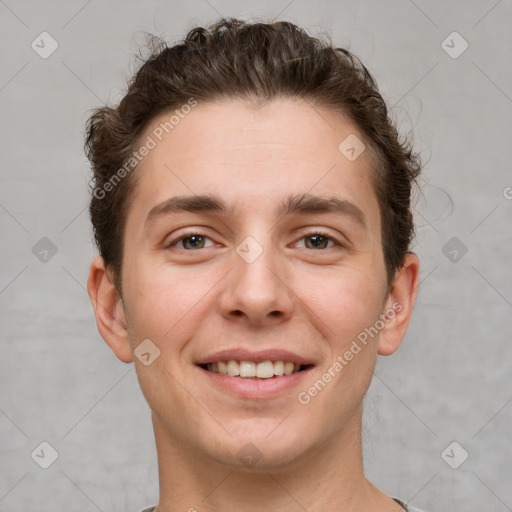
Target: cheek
{"points": [[164, 303], [346, 300]]}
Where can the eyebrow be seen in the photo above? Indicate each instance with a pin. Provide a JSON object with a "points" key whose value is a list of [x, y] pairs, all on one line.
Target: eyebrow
{"points": [[294, 204], [307, 203]]}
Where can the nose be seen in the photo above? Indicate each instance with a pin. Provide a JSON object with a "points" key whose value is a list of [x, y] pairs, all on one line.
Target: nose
{"points": [[256, 291]]}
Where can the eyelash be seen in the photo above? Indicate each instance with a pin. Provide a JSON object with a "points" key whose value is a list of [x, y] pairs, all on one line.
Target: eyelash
{"points": [[173, 243]]}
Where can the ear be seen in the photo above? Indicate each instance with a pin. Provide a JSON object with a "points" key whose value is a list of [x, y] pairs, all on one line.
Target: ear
{"points": [[109, 310], [399, 305]]}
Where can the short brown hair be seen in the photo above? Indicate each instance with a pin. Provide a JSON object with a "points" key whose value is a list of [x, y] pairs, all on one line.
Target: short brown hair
{"points": [[251, 61]]}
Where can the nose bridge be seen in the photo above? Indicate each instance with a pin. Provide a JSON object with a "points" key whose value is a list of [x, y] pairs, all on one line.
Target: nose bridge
{"points": [[257, 291]]}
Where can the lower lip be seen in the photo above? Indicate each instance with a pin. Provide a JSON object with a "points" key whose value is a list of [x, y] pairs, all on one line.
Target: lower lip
{"points": [[254, 388]]}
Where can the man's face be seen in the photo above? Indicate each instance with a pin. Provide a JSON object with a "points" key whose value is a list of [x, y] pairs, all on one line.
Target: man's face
{"points": [[254, 282]]}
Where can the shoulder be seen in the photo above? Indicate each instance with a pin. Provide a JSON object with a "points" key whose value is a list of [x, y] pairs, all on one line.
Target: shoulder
{"points": [[405, 506]]}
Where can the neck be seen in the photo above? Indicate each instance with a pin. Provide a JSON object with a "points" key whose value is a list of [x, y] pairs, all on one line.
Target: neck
{"points": [[327, 477]]}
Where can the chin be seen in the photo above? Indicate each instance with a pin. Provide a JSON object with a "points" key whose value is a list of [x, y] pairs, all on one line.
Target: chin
{"points": [[262, 449]]}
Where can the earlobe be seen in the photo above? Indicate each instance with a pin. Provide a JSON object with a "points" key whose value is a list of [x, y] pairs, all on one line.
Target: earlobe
{"points": [[109, 310], [399, 305]]}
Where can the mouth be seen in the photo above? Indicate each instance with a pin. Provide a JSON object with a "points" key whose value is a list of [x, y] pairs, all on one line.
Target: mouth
{"points": [[255, 370], [254, 375]]}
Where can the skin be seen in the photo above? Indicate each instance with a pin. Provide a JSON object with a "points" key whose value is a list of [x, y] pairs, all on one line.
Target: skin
{"points": [[295, 296]]}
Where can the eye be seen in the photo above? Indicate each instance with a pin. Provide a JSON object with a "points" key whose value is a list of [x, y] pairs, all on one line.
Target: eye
{"points": [[194, 240], [319, 240], [190, 241]]}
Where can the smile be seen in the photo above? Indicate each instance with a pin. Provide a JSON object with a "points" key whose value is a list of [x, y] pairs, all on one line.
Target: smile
{"points": [[250, 369]]}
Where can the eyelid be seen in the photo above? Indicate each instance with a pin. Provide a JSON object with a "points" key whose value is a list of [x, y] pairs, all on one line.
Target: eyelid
{"points": [[187, 234], [304, 232]]}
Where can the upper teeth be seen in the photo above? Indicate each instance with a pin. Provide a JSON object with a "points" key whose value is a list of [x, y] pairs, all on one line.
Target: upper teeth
{"points": [[245, 369]]}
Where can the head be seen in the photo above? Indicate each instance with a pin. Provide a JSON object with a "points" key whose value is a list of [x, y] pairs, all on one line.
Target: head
{"points": [[274, 154]]}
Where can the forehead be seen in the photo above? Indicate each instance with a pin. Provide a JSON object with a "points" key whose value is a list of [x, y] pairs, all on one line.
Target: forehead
{"points": [[232, 128], [252, 155]]}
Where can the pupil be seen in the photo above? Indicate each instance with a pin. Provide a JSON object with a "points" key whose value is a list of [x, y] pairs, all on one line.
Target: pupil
{"points": [[194, 240], [316, 240]]}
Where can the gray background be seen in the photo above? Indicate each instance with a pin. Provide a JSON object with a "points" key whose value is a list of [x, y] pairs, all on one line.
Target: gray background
{"points": [[450, 381]]}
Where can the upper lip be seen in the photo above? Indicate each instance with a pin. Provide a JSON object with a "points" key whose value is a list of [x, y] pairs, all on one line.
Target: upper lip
{"points": [[254, 356]]}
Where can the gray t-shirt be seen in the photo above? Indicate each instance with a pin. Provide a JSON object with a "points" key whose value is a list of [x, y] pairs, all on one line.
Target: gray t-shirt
{"points": [[405, 506]]}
